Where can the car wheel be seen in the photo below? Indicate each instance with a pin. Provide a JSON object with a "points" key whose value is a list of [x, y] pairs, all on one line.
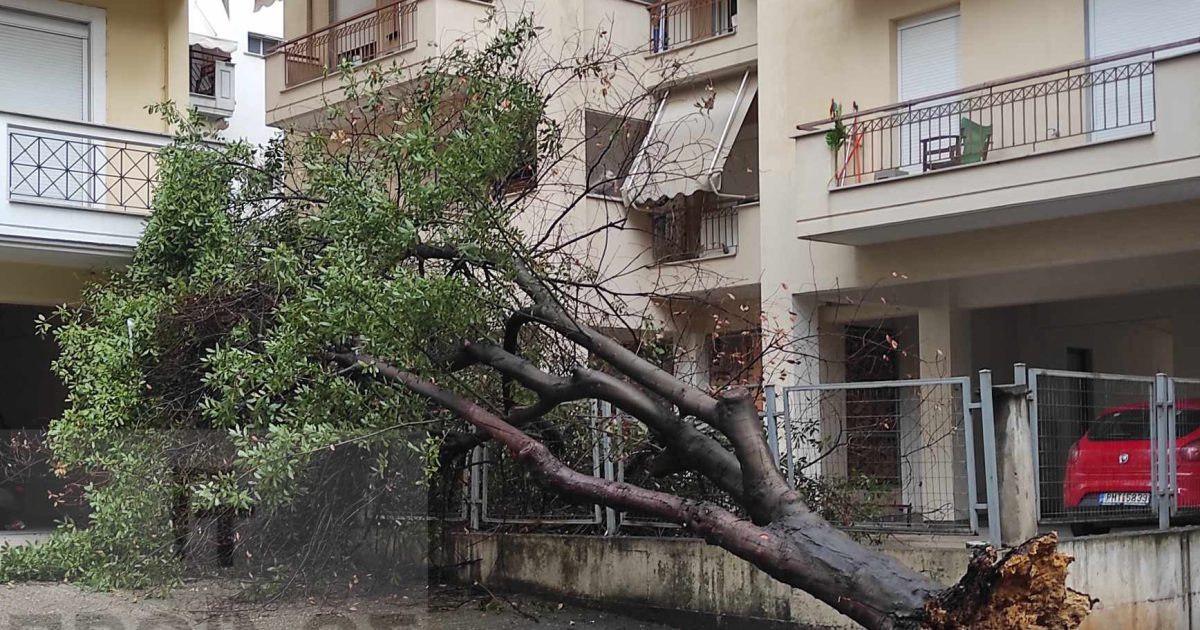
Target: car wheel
{"points": [[1088, 529]]}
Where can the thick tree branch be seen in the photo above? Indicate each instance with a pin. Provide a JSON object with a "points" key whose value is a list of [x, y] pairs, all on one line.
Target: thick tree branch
{"points": [[704, 454], [767, 492], [802, 551]]}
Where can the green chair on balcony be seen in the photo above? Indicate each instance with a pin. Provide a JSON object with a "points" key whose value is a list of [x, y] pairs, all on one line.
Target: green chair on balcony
{"points": [[970, 146]]}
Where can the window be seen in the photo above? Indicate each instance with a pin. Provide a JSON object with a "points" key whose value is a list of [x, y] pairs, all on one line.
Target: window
{"points": [[44, 65], [261, 44], [735, 359], [612, 145]]}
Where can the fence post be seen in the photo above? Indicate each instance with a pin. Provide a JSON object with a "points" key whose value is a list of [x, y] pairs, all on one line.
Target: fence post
{"points": [[474, 485], [611, 524], [987, 413], [1015, 464], [789, 442], [1160, 477], [772, 422]]}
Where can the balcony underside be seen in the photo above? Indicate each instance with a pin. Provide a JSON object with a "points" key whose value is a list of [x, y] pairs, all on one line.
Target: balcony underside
{"points": [[961, 206], [1091, 138]]}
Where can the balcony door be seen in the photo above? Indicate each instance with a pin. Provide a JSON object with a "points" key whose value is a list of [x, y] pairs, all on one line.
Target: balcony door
{"points": [[44, 66], [44, 71], [927, 55], [1122, 105]]}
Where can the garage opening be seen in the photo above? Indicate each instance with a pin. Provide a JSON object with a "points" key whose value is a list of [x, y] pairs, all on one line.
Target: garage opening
{"points": [[32, 497]]}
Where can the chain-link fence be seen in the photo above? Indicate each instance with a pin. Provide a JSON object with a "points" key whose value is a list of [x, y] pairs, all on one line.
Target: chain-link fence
{"points": [[885, 454]]}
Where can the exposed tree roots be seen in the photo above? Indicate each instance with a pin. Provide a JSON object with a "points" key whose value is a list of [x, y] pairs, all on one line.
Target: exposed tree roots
{"points": [[1025, 589]]}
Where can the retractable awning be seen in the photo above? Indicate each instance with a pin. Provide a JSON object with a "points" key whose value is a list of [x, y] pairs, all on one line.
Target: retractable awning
{"points": [[689, 140], [203, 19], [212, 43]]}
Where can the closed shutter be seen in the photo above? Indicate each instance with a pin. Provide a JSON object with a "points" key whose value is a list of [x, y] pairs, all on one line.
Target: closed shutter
{"points": [[927, 52], [1116, 26], [43, 66]]}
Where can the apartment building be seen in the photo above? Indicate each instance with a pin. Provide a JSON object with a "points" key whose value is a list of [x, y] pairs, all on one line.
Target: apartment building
{"points": [[1016, 185], [1010, 182], [1006, 182], [691, 197]]}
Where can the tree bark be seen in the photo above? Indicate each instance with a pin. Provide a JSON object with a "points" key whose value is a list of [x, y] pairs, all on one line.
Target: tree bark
{"points": [[1023, 590]]}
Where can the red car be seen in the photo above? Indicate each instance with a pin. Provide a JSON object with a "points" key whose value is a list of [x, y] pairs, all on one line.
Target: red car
{"points": [[1110, 465]]}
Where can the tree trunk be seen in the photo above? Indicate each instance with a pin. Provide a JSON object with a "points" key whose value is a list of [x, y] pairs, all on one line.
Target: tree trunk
{"points": [[1024, 589]]}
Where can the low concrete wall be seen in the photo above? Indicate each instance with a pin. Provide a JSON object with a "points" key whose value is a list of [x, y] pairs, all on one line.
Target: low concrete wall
{"points": [[682, 580], [1143, 580]]}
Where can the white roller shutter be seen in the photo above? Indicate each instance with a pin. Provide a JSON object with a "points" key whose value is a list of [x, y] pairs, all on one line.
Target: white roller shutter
{"points": [[43, 66], [927, 54], [1116, 26], [1119, 25]]}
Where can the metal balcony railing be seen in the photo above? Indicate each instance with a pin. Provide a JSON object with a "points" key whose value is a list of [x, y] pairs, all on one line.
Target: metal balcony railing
{"points": [[694, 233], [675, 23], [65, 164], [1061, 107], [202, 77], [358, 39]]}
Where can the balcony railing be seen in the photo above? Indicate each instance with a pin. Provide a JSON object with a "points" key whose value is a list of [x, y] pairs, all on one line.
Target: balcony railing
{"points": [[355, 40], [1068, 106], [202, 78], [675, 23], [64, 164], [693, 233]]}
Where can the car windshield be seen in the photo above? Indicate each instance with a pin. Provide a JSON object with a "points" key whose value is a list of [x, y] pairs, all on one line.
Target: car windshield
{"points": [[1134, 424]]}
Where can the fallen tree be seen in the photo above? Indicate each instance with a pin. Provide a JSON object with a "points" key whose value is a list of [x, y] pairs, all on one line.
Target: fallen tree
{"points": [[355, 283]]}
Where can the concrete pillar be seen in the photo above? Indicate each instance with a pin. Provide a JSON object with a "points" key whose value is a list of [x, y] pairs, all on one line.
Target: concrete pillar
{"points": [[178, 66], [1014, 454], [800, 362]]}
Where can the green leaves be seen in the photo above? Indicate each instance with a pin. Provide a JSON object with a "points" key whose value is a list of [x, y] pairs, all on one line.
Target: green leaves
{"points": [[256, 263]]}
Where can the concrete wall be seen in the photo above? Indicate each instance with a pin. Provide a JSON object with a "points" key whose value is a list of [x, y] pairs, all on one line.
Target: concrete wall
{"points": [[677, 579], [1143, 580]]}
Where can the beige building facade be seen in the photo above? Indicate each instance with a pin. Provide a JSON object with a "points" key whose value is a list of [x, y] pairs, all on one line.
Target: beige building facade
{"points": [[1063, 241], [863, 190]]}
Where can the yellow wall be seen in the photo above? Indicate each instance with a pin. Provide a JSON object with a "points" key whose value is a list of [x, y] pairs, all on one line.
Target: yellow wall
{"points": [[146, 58], [41, 285]]}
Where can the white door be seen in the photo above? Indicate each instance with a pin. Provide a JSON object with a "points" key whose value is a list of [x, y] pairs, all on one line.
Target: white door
{"points": [[1116, 26], [43, 66], [927, 57]]}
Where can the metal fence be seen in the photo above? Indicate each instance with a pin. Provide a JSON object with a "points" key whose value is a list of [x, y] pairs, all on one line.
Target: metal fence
{"points": [[358, 39], [893, 455], [675, 23], [1060, 107], [76, 169], [1094, 437], [692, 233], [508, 494]]}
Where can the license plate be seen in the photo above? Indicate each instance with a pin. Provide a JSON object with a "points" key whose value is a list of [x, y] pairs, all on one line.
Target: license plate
{"points": [[1125, 498]]}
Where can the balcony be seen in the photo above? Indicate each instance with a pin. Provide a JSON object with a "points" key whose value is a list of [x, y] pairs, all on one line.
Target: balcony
{"points": [[210, 82], [677, 23], [74, 193], [1066, 141], [694, 233], [302, 73], [711, 36]]}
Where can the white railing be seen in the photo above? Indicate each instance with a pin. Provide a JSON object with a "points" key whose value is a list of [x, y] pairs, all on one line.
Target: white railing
{"points": [[72, 182]]}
